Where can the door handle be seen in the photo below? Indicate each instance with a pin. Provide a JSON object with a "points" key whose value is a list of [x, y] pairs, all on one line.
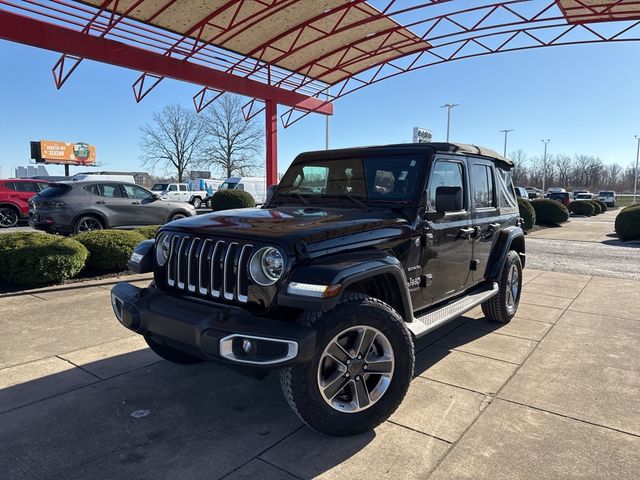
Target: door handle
{"points": [[135, 203], [100, 202], [494, 226], [467, 232]]}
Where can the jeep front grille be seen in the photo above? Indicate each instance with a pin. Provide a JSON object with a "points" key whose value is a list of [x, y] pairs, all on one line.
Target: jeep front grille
{"points": [[209, 268]]}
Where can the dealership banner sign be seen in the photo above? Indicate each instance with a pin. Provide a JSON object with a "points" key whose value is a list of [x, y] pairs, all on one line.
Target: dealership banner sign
{"points": [[46, 151]]}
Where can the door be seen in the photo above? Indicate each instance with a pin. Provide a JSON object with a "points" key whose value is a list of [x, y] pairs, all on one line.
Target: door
{"points": [[144, 210], [486, 219], [24, 191], [110, 199], [173, 194], [448, 244], [185, 194]]}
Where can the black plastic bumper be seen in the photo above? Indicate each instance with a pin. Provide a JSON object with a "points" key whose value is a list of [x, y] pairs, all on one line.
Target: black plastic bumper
{"points": [[212, 332]]}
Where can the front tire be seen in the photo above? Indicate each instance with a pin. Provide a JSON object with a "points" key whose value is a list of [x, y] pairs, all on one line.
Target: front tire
{"points": [[503, 307], [360, 372], [197, 202], [171, 354]]}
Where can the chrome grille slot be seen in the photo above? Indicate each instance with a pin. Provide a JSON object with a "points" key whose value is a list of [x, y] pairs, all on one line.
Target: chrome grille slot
{"points": [[209, 268]]}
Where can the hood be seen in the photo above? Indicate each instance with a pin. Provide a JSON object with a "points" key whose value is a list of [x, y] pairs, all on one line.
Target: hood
{"points": [[286, 225]]}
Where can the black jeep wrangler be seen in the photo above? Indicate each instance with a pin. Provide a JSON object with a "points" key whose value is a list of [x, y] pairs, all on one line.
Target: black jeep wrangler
{"points": [[357, 252]]}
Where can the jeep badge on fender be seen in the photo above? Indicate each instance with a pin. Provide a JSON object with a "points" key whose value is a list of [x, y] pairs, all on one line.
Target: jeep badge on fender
{"points": [[356, 253]]}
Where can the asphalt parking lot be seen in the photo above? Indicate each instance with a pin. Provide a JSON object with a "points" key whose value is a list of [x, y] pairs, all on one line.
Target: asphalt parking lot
{"points": [[553, 394]]}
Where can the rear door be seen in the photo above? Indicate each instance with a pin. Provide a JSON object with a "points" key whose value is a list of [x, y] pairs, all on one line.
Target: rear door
{"points": [[486, 221], [448, 245], [24, 191], [110, 199], [185, 194]]}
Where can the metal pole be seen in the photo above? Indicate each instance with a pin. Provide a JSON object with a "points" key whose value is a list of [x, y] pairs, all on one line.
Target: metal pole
{"points": [[326, 127], [544, 165], [635, 178], [449, 107], [271, 137], [506, 133]]}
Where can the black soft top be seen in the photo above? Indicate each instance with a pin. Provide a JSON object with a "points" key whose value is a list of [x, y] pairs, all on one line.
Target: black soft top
{"points": [[443, 147]]}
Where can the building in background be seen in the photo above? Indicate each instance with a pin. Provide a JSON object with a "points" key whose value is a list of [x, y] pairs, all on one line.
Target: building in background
{"points": [[31, 171]]}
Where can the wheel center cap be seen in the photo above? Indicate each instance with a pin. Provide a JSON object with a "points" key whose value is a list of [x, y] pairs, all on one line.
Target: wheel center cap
{"points": [[355, 368]]}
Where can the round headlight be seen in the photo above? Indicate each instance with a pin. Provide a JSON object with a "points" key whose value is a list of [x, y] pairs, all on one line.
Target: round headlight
{"points": [[266, 266], [163, 246]]}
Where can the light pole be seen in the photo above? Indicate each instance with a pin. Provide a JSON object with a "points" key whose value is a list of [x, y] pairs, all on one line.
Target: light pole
{"points": [[635, 177], [506, 134], [326, 125], [449, 107], [544, 164]]}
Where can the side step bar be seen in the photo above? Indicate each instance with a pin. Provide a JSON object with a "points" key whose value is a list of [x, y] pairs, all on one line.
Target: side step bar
{"points": [[435, 318]]}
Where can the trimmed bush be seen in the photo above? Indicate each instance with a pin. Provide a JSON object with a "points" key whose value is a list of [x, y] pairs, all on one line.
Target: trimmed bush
{"points": [[549, 212], [628, 223], [596, 207], [527, 213], [38, 259], [230, 199], [109, 250], [603, 206], [148, 232], [582, 207]]}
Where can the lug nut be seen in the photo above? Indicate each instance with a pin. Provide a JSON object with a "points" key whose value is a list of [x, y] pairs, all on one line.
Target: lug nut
{"points": [[346, 375], [348, 362], [359, 357], [365, 367], [357, 378]]}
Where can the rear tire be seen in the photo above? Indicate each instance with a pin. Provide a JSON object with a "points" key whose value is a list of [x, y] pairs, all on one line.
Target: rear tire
{"points": [[177, 216], [8, 217], [171, 354], [208, 203], [87, 223], [503, 307], [339, 393]]}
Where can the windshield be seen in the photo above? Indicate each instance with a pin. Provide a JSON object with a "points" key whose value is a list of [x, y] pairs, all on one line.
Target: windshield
{"points": [[373, 179], [54, 190], [582, 196], [607, 194], [228, 186], [160, 187]]}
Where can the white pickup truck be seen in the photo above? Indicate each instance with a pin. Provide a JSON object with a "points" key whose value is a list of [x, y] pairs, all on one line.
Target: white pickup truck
{"points": [[181, 192]]}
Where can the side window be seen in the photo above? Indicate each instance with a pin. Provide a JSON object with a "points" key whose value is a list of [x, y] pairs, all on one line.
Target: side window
{"points": [[9, 185], [173, 188], [482, 184], [183, 188], [26, 187], [42, 185], [444, 174], [240, 186], [136, 192], [107, 190]]}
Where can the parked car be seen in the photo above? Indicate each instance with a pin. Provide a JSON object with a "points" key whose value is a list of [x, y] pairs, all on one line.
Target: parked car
{"points": [[564, 198], [331, 284], [521, 192], [14, 199], [578, 192], [180, 192], [534, 192], [555, 190], [73, 207], [608, 197], [256, 186], [584, 196]]}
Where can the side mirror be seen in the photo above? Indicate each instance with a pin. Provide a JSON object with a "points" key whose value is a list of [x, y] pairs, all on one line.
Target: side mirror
{"points": [[155, 197], [449, 199]]}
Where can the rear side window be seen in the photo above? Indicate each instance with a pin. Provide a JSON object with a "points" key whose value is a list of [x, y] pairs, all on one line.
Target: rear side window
{"points": [[30, 187], [54, 190], [240, 186], [9, 185], [444, 174], [107, 190], [173, 188], [505, 189], [482, 183], [183, 188]]}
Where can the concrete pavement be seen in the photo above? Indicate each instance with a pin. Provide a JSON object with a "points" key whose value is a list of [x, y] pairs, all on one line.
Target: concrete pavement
{"points": [[553, 394]]}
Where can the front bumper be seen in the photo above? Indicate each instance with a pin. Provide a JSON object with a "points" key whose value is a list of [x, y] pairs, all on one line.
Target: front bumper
{"points": [[212, 332]]}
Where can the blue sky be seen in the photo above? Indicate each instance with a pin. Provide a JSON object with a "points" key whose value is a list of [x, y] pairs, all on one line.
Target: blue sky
{"points": [[584, 98]]}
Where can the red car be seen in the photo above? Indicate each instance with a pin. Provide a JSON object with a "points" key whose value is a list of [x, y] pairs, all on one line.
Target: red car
{"points": [[14, 199]]}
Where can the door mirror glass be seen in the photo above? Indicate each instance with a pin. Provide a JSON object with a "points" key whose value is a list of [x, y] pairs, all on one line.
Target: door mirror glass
{"points": [[449, 199], [155, 197]]}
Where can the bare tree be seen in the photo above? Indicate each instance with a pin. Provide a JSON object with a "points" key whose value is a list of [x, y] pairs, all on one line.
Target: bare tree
{"points": [[563, 164], [232, 143], [174, 141], [520, 170]]}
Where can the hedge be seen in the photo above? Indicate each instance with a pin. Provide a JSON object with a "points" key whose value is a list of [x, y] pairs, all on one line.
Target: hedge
{"points": [[628, 223], [582, 207], [527, 213], [37, 259], [603, 205], [148, 232], [109, 250], [549, 212], [596, 207], [230, 199]]}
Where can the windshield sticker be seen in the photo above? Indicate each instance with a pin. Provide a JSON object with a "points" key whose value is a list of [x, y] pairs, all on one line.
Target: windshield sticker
{"points": [[403, 175], [413, 163]]}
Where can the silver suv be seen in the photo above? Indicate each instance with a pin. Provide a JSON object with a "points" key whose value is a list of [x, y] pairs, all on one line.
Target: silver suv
{"points": [[73, 207]]}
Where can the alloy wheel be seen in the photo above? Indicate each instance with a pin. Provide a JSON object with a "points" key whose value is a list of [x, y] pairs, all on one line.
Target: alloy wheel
{"points": [[513, 285], [355, 369], [88, 225], [8, 217]]}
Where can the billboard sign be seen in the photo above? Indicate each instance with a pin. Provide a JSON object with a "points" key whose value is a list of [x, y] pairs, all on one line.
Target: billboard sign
{"points": [[80, 153], [421, 135]]}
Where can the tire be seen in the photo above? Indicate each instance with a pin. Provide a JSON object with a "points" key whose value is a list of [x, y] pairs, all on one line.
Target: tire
{"points": [[502, 307], [171, 354], [208, 203], [197, 202], [8, 216], [87, 223], [177, 216], [341, 413]]}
